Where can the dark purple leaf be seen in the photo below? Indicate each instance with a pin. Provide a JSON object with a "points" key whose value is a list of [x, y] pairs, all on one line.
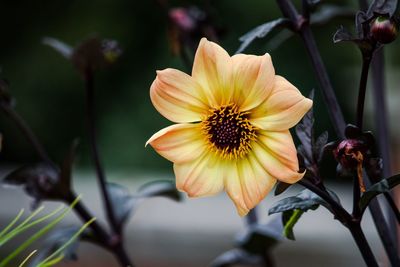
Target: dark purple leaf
{"points": [[281, 187], [161, 188], [382, 7], [236, 257], [260, 32], [319, 145], [381, 187], [61, 47], [122, 201], [54, 241], [40, 181]]}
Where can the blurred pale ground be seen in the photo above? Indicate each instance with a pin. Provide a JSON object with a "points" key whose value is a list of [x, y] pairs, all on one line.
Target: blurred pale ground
{"points": [[163, 233]]}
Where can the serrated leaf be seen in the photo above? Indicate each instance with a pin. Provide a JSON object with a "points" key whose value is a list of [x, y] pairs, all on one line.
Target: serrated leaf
{"points": [[259, 238], [237, 256], [59, 46], [352, 131], [319, 145], [160, 188], [122, 201], [342, 35], [281, 187], [304, 131], [54, 241], [381, 187], [328, 12], [40, 181], [304, 201], [382, 7], [260, 32]]}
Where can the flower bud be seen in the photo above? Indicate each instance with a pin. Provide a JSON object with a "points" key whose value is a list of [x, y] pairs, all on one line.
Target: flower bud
{"points": [[384, 30], [349, 153]]}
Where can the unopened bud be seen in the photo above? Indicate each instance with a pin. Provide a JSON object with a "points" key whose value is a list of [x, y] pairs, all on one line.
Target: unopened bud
{"points": [[349, 153], [384, 30]]}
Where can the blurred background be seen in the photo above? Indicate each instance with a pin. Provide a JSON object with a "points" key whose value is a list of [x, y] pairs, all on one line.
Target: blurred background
{"points": [[49, 94]]}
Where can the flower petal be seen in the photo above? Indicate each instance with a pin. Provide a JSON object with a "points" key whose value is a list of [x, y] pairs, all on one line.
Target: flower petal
{"points": [[212, 70], [276, 152], [253, 79], [201, 177], [177, 96], [179, 143], [248, 183], [282, 109]]}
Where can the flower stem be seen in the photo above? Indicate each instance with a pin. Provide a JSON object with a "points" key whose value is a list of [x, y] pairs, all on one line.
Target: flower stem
{"points": [[362, 244], [341, 214], [362, 89], [381, 123], [337, 118], [352, 223], [91, 125], [27, 131], [113, 244], [252, 217], [335, 113]]}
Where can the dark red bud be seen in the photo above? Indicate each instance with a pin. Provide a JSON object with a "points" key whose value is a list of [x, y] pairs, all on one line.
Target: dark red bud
{"points": [[350, 152], [181, 18], [384, 30]]}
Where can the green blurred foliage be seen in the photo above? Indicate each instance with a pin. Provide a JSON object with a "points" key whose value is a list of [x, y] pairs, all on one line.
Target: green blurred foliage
{"points": [[50, 93]]}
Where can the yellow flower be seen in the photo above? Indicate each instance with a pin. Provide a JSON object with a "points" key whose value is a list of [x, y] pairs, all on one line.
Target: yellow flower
{"points": [[233, 117]]}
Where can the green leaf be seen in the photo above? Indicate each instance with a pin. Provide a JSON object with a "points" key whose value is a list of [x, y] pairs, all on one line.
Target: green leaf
{"points": [[381, 187], [289, 219], [160, 188], [38, 234], [260, 32]]}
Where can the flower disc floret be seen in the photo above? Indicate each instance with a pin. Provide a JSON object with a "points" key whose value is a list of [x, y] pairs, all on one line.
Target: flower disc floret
{"points": [[229, 132]]}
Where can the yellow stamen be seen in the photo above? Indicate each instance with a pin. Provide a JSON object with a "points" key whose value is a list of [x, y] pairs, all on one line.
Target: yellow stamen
{"points": [[229, 132]]}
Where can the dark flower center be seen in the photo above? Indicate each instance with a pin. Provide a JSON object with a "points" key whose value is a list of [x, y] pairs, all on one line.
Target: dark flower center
{"points": [[229, 131]]}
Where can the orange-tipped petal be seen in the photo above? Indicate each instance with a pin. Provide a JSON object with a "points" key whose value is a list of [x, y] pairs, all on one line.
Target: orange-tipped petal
{"points": [[179, 143], [212, 69], [247, 184], [253, 79], [201, 177], [177, 96], [276, 152], [283, 109]]}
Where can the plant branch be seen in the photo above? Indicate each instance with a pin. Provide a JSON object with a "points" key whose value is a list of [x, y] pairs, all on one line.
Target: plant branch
{"points": [[335, 113], [363, 88], [27, 131], [340, 213], [356, 197], [108, 242], [393, 207], [91, 125], [338, 121], [362, 244]]}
